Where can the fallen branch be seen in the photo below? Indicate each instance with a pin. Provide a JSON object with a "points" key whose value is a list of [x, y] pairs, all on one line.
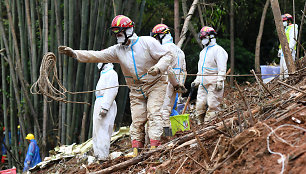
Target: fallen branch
{"points": [[206, 159], [219, 165], [285, 84], [186, 23], [181, 165], [261, 83], [196, 162], [246, 104], [286, 116], [216, 148]]}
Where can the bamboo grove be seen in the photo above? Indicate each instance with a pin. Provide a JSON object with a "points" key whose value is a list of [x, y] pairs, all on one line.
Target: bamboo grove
{"points": [[31, 28]]}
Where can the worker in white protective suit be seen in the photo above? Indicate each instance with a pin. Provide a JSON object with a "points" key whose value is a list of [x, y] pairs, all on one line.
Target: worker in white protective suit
{"points": [[105, 110], [212, 61], [176, 73], [291, 31], [143, 60]]}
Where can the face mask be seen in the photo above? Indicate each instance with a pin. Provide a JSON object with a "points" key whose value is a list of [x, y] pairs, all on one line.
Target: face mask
{"points": [[285, 23], [120, 39], [205, 41]]}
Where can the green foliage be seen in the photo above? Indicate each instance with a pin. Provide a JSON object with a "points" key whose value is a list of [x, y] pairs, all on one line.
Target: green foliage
{"points": [[213, 16]]}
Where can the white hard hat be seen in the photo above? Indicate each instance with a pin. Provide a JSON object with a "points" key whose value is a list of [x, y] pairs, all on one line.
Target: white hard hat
{"points": [[100, 65]]}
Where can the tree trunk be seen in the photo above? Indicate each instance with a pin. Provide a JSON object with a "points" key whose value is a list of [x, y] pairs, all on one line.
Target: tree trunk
{"points": [[14, 80], [258, 40], [81, 66], [190, 26], [18, 68], [89, 67], [4, 99], [142, 8], [282, 37], [300, 33], [45, 50], [23, 42], [65, 75], [61, 126], [232, 41], [176, 21], [201, 15], [34, 63], [186, 23]]}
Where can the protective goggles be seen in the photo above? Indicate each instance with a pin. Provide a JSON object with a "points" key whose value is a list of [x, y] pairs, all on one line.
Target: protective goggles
{"points": [[202, 34], [165, 31], [154, 34], [116, 30]]}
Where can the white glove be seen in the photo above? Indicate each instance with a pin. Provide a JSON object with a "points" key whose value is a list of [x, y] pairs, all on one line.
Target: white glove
{"points": [[154, 71], [219, 85], [195, 84], [67, 51], [28, 162], [103, 113]]}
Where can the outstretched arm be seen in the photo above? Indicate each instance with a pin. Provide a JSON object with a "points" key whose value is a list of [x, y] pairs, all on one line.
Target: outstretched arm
{"points": [[108, 55]]}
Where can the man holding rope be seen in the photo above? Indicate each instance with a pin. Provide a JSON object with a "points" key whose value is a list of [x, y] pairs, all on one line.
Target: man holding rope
{"points": [[143, 61]]}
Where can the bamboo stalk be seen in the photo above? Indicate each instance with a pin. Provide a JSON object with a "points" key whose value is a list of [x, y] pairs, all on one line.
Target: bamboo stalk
{"points": [[285, 84], [261, 83], [246, 103]]}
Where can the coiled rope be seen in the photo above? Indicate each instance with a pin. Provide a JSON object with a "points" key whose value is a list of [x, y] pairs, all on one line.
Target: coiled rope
{"points": [[44, 85]]}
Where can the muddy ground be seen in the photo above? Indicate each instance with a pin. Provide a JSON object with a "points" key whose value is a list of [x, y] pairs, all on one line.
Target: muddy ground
{"points": [[238, 144]]}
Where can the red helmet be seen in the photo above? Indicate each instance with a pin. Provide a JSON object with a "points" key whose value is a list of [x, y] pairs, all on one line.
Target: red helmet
{"points": [[121, 23], [160, 29], [206, 31], [287, 17]]}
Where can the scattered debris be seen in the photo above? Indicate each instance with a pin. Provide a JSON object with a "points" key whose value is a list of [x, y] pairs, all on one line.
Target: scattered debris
{"points": [[261, 130]]}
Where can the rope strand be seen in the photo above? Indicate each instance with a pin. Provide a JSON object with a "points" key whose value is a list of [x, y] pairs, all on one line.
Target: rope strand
{"points": [[44, 86]]}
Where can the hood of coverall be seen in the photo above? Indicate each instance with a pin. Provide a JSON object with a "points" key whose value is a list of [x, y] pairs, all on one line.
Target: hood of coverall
{"points": [[105, 67], [132, 39], [167, 39]]}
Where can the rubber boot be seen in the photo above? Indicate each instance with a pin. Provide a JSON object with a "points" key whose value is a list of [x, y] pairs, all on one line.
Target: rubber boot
{"points": [[135, 145], [154, 143], [167, 131], [209, 117], [200, 119]]}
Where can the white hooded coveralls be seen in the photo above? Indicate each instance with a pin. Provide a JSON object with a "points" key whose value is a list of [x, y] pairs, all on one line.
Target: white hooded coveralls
{"points": [[291, 34], [178, 65], [212, 61], [146, 90], [105, 99]]}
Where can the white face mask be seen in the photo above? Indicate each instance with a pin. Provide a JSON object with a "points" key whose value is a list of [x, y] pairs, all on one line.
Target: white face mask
{"points": [[120, 39], [205, 41], [285, 23]]}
